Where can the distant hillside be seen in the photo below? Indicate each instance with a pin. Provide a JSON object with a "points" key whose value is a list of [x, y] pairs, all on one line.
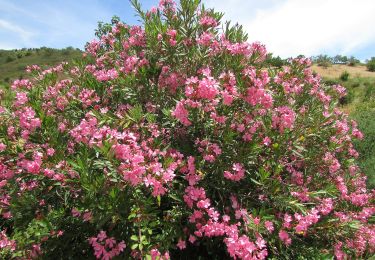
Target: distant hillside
{"points": [[336, 70], [14, 62]]}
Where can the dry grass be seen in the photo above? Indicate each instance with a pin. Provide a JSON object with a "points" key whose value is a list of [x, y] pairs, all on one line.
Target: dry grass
{"points": [[334, 71]]}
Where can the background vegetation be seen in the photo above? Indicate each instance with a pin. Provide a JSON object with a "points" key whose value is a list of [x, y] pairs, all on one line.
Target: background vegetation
{"points": [[14, 62], [359, 80]]}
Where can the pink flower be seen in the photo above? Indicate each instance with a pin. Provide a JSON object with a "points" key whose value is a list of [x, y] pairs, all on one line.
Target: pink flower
{"points": [[283, 118], [239, 172], [76, 213], [181, 113], [87, 216], [269, 226], [333, 163], [181, 244], [2, 147], [50, 151], [266, 141], [287, 220], [192, 239], [33, 167], [28, 120], [208, 21], [21, 98], [88, 97], [102, 235], [3, 183], [203, 204], [284, 236], [208, 88], [106, 75]]}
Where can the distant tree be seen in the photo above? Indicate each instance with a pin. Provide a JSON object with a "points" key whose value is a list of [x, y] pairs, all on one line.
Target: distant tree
{"points": [[323, 60], [336, 59], [275, 61], [48, 52], [344, 59], [352, 61], [340, 59]]}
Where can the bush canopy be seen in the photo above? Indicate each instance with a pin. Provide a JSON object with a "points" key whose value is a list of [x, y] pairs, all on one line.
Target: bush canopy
{"points": [[174, 139]]}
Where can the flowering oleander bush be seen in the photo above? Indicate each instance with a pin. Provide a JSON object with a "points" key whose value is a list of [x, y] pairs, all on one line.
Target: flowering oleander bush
{"points": [[176, 140]]}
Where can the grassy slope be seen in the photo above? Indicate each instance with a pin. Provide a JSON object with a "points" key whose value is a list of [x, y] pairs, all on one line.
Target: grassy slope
{"points": [[334, 71], [14, 62]]}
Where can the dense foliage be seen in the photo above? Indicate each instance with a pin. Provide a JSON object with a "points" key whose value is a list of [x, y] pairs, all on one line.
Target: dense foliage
{"points": [[174, 140]]}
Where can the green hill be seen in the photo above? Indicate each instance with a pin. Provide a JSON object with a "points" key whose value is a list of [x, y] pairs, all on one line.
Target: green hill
{"points": [[14, 62]]}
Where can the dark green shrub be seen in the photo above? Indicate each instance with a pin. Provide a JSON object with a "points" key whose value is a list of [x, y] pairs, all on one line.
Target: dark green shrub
{"points": [[344, 76], [331, 82], [275, 61], [9, 59], [348, 98], [371, 64]]}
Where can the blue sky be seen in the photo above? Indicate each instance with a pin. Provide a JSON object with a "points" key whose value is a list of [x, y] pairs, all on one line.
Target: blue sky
{"points": [[286, 27]]}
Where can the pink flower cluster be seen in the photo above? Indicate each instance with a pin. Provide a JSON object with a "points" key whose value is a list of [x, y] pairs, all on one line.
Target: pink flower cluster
{"points": [[208, 21], [207, 88], [172, 37], [21, 84], [181, 113], [5, 242], [170, 80], [239, 172], [88, 97], [283, 118], [106, 247], [209, 150], [21, 99], [28, 121], [332, 162], [238, 246], [106, 75]]}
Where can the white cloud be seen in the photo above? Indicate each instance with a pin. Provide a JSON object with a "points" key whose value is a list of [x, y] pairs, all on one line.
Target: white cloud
{"points": [[13, 28], [308, 27], [56, 24]]}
